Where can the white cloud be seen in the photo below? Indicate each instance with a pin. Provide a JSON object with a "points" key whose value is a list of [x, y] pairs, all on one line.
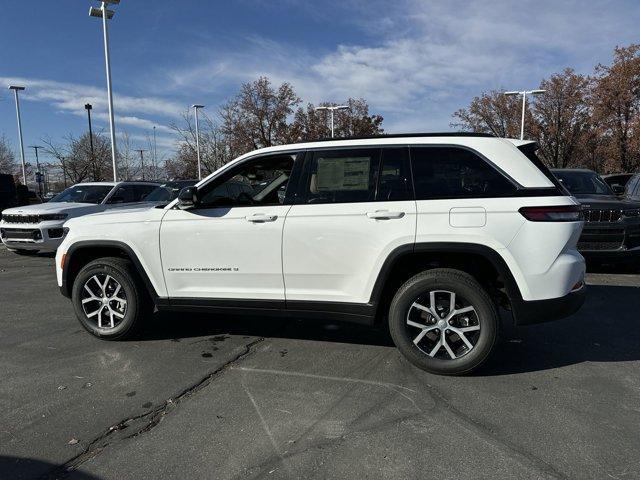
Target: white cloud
{"points": [[71, 98], [427, 59]]}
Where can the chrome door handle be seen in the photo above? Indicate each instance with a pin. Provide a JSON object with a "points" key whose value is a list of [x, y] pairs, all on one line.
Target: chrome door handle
{"points": [[261, 218], [384, 215]]}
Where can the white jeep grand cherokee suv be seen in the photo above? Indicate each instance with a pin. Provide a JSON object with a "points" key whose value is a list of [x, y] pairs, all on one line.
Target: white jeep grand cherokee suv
{"points": [[40, 227], [430, 233]]}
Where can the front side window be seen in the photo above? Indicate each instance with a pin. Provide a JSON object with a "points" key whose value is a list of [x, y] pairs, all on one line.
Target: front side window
{"points": [[256, 182], [83, 194], [339, 176], [453, 172]]}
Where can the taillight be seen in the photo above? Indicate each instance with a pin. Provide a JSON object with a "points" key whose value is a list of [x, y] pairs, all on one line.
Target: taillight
{"points": [[562, 213]]}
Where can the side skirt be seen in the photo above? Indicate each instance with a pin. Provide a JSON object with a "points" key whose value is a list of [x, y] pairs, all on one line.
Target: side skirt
{"points": [[363, 314]]}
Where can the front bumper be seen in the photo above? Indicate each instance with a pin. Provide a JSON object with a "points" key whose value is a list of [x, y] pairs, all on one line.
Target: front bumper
{"points": [[43, 237], [617, 240], [528, 312]]}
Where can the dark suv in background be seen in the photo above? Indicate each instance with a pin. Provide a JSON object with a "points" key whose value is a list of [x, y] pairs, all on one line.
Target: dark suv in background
{"points": [[612, 223], [632, 188]]}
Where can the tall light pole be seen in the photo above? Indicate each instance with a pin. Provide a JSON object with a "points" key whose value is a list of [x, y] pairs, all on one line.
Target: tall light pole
{"points": [[155, 155], [524, 94], [141, 150], [195, 109], [333, 109], [106, 14], [16, 89], [38, 173]]}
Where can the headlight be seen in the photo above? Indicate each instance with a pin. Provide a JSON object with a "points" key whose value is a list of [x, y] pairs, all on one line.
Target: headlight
{"points": [[631, 213], [54, 216]]}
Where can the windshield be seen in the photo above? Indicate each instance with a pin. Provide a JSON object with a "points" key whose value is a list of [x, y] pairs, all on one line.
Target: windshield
{"points": [[83, 194], [167, 192], [583, 183]]}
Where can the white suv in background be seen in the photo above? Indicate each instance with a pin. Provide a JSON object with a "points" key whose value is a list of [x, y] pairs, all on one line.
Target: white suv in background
{"points": [[428, 232], [40, 228]]}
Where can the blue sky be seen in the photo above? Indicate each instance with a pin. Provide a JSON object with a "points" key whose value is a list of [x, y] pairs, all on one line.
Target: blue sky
{"points": [[416, 62]]}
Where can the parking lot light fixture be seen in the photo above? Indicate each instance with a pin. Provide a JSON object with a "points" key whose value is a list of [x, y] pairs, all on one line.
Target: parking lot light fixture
{"points": [[332, 109], [197, 107], [16, 89], [106, 14], [524, 94]]}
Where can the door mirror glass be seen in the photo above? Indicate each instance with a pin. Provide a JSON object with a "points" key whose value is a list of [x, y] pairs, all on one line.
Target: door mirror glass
{"points": [[188, 198], [617, 189]]}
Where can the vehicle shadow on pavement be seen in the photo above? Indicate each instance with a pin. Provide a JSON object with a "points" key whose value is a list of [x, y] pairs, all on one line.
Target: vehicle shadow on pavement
{"points": [[606, 329], [174, 326], [17, 468]]}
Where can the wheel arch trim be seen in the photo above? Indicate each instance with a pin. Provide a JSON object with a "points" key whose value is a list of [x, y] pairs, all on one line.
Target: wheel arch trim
{"points": [[490, 254], [88, 244]]}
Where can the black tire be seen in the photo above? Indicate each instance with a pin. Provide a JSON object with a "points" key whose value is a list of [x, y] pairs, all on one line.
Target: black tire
{"points": [[465, 287], [137, 301]]}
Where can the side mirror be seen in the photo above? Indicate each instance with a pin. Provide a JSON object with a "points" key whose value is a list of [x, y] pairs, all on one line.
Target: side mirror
{"points": [[188, 198], [617, 189], [117, 199]]}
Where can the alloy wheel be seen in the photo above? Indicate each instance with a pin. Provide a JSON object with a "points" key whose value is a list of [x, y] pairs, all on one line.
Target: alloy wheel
{"points": [[104, 301], [443, 325]]}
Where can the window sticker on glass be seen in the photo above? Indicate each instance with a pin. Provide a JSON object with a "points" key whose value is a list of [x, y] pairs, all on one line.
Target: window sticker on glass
{"points": [[343, 174]]}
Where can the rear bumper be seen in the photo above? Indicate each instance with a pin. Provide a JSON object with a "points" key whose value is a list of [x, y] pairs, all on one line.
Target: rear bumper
{"points": [[539, 311]]}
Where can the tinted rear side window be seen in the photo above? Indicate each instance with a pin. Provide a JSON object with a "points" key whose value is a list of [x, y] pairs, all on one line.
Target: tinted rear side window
{"points": [[452, 172]]}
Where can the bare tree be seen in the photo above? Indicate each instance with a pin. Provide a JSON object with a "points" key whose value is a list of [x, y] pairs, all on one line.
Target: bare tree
{"points": [[309, 124], [215, 150], [7, 158], [561, 118], [76, 160], [257, 117], [617, 105], [492, 112]]}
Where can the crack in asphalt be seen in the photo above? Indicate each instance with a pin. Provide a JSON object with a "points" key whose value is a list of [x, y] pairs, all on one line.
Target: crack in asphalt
{"points": [[144, 422]]}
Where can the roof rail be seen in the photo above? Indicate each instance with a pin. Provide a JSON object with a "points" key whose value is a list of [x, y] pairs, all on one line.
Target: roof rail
{"points": [[403, 135]]}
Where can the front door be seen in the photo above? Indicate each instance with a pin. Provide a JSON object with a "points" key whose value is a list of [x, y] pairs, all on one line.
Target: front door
{"points": [[229, 246]]}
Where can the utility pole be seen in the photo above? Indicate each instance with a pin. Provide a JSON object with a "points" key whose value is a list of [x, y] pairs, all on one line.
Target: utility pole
{"points": [[141, 160], [64, 172], [196, 108], [16, 89], [88, 108], [332, 109], [38, 173], [524, 94], [106, 14]]}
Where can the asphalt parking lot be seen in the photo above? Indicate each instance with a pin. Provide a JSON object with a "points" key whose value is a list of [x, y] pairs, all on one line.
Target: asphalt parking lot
{"points": [[238, 397]]}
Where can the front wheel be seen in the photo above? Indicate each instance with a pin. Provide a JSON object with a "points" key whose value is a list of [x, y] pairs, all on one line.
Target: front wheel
{"points": [[109, 299], [444, 322]]}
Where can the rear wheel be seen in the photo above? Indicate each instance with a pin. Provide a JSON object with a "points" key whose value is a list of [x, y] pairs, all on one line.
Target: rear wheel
{"points": [[444, 322], [109, 299]]}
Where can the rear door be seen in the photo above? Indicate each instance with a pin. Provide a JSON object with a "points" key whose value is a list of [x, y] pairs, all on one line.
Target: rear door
{"points": [[354, 206]]}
